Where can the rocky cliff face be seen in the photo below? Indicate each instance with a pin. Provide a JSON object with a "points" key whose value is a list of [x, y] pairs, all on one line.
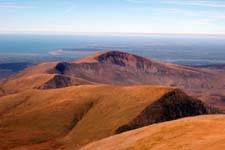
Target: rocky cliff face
{"points": [[171, 106], [58, 81]]}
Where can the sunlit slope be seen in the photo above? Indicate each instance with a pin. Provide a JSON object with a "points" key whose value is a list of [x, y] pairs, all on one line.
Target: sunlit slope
{"points": [[32, 77], [37, 77], [74, 116], [194, 133], [24, 83]]}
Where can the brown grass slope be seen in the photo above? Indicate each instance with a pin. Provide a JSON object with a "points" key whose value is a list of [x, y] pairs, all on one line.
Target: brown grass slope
{"points": [[37, 77], [120, 68], [194, 133], [75, 116], [114, 67]]}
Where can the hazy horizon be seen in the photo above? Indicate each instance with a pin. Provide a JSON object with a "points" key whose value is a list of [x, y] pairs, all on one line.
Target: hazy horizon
{"points": [[181, 49]]}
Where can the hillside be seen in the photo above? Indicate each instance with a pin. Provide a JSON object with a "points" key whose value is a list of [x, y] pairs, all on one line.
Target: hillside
{"points": [[37, 77], [119, 68], [194, 133], [75, 116]]}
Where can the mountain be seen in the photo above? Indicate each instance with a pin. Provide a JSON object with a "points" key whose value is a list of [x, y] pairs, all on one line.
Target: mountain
{"points": [[114, 67], [213, 66], [202, 132], [120, 68], [72, 117]]}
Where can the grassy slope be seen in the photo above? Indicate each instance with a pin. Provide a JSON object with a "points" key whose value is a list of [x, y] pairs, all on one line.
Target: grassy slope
{"points": [[29, 78], [195, 133], [24, 83], [68, 114], [207, 85]]}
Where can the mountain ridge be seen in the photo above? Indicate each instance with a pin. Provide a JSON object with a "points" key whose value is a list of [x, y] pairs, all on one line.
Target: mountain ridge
{"points": [[121, 68], [74, 116]]}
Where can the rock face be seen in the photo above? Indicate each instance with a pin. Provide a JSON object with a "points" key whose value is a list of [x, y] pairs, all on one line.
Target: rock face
{"points": [[58, 81], [61, 81], [173, 105]]}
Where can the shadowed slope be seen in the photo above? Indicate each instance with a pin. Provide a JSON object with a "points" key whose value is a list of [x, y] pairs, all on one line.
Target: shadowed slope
{"points": [[74, 116], [172, 105], [195, 133]]}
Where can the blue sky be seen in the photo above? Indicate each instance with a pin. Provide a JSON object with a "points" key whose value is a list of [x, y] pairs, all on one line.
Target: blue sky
{"points": [[114, 16]]}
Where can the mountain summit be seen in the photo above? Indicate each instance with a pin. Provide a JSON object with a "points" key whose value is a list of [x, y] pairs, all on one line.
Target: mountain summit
{"points": [[120, 68]]}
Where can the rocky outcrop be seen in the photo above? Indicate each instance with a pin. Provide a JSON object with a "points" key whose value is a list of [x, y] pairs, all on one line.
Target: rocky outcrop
{"points": [[58, 81], [171, 106], [61, 81]]}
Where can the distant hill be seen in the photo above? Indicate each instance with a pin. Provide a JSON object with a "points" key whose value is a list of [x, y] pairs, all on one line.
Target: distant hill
{"points": [[120, 68], [212, 66], [7, 69], [72, 117], [5, 73]]}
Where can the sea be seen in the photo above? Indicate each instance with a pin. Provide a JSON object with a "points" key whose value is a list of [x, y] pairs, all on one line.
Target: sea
{"points": [[179, 49]]}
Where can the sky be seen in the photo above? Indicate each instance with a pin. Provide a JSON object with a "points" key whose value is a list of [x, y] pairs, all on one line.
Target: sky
{"points": [[113, 16]]}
